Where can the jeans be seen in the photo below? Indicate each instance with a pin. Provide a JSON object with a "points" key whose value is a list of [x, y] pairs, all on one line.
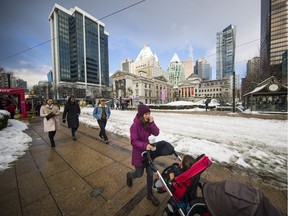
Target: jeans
{"points": [[102, 124], [139, 172]]}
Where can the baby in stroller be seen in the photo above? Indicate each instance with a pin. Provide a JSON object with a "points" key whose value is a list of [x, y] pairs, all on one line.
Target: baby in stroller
{"points": [[169, 175], [172, 171], [179, 180]]}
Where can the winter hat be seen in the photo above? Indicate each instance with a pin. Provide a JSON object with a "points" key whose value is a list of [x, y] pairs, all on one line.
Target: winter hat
{"points": [[142, 109]]}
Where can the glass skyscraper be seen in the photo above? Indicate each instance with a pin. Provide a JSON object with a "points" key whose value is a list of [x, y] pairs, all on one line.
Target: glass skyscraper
{"points": [[274, 35], [175, 71], [79, 48], [225, 52]]}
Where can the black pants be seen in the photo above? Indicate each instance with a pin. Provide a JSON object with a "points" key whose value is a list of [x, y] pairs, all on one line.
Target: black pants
{"points": [[102, 124], [139, 172], [51, 135], [73, 130]]}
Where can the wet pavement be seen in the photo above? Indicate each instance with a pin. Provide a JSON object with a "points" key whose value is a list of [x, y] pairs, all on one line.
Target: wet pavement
{"points": [[65, 180]]}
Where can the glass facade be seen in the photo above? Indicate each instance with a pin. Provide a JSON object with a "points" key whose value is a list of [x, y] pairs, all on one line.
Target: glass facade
{"points": [[225, 52], [279, 30], [92, 57], [82, 49], [274, 31], [64, 44]]}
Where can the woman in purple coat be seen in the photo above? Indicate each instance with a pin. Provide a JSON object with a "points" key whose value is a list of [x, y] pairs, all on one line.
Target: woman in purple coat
{"points": [[142, 127]]}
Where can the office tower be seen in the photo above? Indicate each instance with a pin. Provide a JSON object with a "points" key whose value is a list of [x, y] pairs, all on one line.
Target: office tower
{"points": [[274, 36], [50, 76], [79, 48], [175, 70], [126, 65], [188, 66], [203, 69], [225, 52], [253, 66]]}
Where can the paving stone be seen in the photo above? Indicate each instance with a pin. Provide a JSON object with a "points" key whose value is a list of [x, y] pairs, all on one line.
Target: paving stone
{"points": [[49, 162], [44, 207], [9, 203], [25, 164], [82, 159], [72, 194], [32, 187], [8, 181]]}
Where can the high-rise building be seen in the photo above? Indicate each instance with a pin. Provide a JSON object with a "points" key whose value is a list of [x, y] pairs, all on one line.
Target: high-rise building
{"points": [[79, 49], [126, 65], [203, 69], [274, 35], [147, 63], [175, 71], [21, 84], [188, 66], [225, 52], [50, 76], [253, 66]]}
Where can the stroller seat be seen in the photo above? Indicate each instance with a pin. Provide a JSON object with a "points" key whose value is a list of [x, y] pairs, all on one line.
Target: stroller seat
{"points": [[185, 185]]}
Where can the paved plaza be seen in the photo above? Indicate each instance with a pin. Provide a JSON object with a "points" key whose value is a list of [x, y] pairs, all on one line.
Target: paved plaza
{"points": [[61, 180]]}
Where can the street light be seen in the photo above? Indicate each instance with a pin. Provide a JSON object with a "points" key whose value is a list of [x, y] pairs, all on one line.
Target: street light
{"points": [[233, 92]]}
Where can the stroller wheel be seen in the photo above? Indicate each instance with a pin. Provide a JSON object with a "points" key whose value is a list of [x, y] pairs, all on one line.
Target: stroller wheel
{"points": [[198, 208]]}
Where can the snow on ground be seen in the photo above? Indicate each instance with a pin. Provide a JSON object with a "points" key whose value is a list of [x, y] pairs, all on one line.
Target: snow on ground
{"points": [[250, 143]]}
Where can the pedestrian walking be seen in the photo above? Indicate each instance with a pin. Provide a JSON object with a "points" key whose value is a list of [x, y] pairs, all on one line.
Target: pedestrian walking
{"points": [[38, 107], [51, 119], [11, 108], [142, 127], [102, 113], [207, 104], [72, 111]]}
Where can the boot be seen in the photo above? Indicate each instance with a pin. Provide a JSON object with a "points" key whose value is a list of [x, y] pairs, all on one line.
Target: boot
{"points": [[129, 180], [52, 143], [153, 199], [74, 138]]}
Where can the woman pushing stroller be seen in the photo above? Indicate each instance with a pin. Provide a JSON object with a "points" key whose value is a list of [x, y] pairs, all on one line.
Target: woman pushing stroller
{"points": [[142, 127]]}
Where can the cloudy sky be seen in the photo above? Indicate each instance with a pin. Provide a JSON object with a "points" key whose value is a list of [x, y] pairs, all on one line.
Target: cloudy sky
{"points": [[185, 27]]}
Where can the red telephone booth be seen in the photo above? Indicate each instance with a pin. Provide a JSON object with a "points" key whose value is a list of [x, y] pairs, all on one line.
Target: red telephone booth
{"points": [[21, 96]]}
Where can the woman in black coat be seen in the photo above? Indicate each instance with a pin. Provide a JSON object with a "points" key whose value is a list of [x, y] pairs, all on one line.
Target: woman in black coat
{"points": [[72, 110]]}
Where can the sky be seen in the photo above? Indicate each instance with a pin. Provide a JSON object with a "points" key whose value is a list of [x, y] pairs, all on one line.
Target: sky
{"points": [[187, 28], [259, 145]]}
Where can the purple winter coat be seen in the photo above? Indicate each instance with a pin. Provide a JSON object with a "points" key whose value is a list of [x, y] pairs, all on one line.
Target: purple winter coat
{"points": [[139, 139]]}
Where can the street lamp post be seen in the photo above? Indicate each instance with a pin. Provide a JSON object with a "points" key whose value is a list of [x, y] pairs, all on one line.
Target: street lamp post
{"points": [[233, 91]]}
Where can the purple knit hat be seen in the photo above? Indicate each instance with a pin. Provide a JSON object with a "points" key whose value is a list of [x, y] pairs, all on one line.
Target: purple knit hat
{"points": [[142, 109]]}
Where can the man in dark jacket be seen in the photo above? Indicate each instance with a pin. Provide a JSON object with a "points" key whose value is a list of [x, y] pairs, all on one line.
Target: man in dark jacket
{"points": [[72, 111]]}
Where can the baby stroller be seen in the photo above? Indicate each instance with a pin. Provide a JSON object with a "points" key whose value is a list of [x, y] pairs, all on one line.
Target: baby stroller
{"points": [[225, 198], [231, 198], [183, 188]]}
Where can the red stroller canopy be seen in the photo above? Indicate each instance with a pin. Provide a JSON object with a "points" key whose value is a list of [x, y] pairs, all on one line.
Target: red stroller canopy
{"points": [[183, 181]]}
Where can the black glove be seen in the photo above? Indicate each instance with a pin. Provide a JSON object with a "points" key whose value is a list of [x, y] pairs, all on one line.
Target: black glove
{"points": [[50, 115], [64, 121]]}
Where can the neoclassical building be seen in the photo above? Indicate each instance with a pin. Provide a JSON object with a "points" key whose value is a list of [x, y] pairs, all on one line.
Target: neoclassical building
{"points": [[141, 88], [194, 89]]}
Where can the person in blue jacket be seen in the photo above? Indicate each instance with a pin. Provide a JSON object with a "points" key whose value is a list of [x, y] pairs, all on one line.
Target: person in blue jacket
{"points": [[102, 113]]}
